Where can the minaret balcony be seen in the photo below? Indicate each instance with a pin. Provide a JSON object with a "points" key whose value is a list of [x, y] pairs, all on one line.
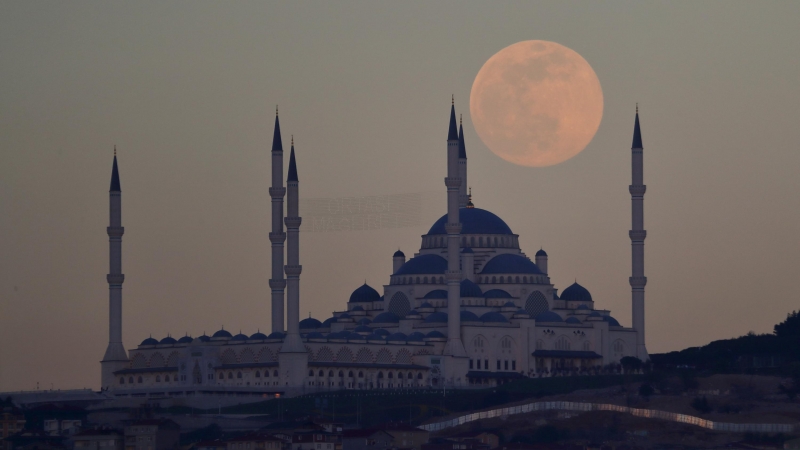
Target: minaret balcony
{"points": [[277, 238], [637, 235], [452, 228], [637, 191], [452, 182], [637, 282], [292, 222], [277, 284], [292, 271], [115, 278], [453, 275], [115, 231], [279, 192]]}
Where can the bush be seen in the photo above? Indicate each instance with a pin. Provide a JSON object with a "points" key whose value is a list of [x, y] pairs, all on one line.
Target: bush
{"points": [[645, 391], [701, 404]]}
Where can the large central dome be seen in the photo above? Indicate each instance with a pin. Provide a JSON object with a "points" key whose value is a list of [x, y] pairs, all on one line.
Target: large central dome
{"points": [[474, 221]]}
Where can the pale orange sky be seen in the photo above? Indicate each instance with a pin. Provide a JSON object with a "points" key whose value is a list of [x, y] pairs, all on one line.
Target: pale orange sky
{"points": [[187, 91]]}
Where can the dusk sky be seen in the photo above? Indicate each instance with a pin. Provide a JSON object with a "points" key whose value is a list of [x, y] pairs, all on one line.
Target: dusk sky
{"points": [[187, 92]]}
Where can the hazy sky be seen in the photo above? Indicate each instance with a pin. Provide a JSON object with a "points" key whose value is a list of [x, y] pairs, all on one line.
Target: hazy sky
{"points": [[187, 92]]}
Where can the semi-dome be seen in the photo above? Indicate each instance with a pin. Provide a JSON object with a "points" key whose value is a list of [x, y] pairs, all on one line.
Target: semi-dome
{"points": [[510, 263], [168, 340], [357, 308], [363, 294], [572, 319], [397, 337], [576, 293], [413, 314], [493, 317], [185, 340], [259, 336], [239, 337], [496, 293], [423, 264], [415, 336], [376, 337], [470, 289], [436, 293], [203, 338], [427, 305], [474, 221], [399, 254], [382, 332], [611, 321], [222, 334], [437, 317], [583, 307], [522, 314], [327, 322], [386, 317], [541, 253], [310, 324], [549, 316], [469, 316], [595, 314], [149, 341], [343, 316], [467, 250]]}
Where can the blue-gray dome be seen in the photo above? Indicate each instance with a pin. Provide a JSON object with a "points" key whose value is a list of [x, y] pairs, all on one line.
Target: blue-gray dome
{"points": [[375, 337], [363, 294], [168, 340], [541, 253], [327, 323], [423, 264], [240, 337], [467, 250], [386, 317], [595, 314], [494, 317], [276, 335], [364, 321], [426, 305], [469, 316], [399, 254], [496, 293], [437, 317], [470, 289], [315, 335], [221, 334], [185, 340], [583, 307], [310, 324], [338, 335], [382, 332], [549, 316], [510, 263], [357, 308], [397, 337], [576, 293], [474, 221], [435, 335], [363, 329], [509, 305], [572, 319], [611, 321], [436, 293], [344, 316], [149, 341], [415, 337], [257, 336], [203, 338]]}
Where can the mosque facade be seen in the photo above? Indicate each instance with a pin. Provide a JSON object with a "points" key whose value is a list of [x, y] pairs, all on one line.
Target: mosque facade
{"points": [[468, 309]]}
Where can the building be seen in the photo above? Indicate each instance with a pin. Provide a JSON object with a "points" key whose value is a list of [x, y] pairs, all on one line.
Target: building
{"points": [[469, 309], [316, 440], [254, 441], [405, 435], [12, 421], [366, 439], [483, 437], [99, 439], [66, 427], [152, 434]]}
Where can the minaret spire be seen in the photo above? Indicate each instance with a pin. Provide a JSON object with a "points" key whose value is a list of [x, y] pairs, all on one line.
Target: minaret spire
{"points": [[638, 235], [115, 357], [463, 196], [277, 237], [453, 182]]}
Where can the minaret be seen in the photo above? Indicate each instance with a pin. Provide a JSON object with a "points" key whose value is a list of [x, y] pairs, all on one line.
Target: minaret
{"points": [[292, 343], [454, 345], [277, 284], [638, 234], [116, 357], [463, 197]]}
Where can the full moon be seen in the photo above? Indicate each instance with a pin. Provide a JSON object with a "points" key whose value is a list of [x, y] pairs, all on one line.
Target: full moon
{"points": [[536, 103]]}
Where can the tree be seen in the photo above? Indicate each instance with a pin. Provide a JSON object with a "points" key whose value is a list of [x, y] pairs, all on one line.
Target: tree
{"points": [[631, 363], [789, 328], [701, 404], [645, 391]]}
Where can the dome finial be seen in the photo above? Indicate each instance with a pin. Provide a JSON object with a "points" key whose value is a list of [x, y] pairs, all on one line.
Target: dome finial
{"points": [[452, 99], [637, 107], [460, 119], [469, 199], [276, 110], [115, 149]]}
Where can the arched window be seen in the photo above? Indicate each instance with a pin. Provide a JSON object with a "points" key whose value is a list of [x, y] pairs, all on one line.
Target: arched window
{"points": [[505, 344], [140, 380], [341, 374], [480, 242], [230, 375], [419, 376], [221, 376], [501, 279], [494, 279], [562, 343], [275, 373], [390, 375], [158, 379], [619, 347], [380, 375], [587, 346], [536, 304], [321, 373], [516, 280], [166, 378], [417, 280], [130, 380], [540, 345], [238, 374], [258, 374], [350, 374], [410, 376], [399, 303], [330, 373], [360, 374], [477, 342], [524, 279], [399, 375], [122, 380], [311, 373]]}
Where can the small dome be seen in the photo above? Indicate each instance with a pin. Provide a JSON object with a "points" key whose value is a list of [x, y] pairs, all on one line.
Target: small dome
{"points": [[276, 335], [398, 337], [435, 335], [469, 316], [149, 341], [415, 337], [375, 337], [437, 317], [258, 336], [509, 305], [185, 340], [470, 289], [222, 334], [168, 340], [583, 307], [423, 264], [363, 294], [595, 314], [541, 253], [473, 221], [357, 308], [355, 337], [493, 317], [203, 338], [344, 316], [522, 314], [572, 319], [310, 324], [364, 321], [549, 316], [337, 335], [386, 317], [467, 250], [510, 263], [612, 322], [381, 332], [327, 323], [576, 293], [437, 294], [363, 329], [399, 254], [315, 335], [496, 293], [240, 337], [426, 305], [413, 314]]}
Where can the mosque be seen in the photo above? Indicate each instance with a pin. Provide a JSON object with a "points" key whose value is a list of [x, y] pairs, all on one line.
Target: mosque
{"points": [[469, 309]]}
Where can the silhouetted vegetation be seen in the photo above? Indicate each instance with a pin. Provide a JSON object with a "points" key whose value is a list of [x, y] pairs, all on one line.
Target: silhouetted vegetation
{"points": [[701, 404], [645, 391]]}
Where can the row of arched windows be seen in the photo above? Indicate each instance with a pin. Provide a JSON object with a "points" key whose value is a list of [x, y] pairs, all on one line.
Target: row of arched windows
{"points": [[351, 374], [438, 241], [239, 375], [481, 279]]}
